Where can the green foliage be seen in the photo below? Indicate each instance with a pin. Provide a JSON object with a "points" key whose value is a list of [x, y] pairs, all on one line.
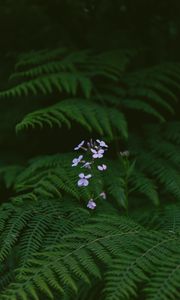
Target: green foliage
{"points": [[83, 248], [158, 159], [63, 73], [128, 248], [92, 116]]}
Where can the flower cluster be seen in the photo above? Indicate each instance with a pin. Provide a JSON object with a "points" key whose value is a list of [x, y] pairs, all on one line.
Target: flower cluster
{"points": [[94, 151]]}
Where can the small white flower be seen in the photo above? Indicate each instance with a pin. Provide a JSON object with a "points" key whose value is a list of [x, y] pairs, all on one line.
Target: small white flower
{"points": [[103, 195], [76, 161], [79, 146], [97, 153], [103, 167], [91, 204], [83, 181], [102, 143]]}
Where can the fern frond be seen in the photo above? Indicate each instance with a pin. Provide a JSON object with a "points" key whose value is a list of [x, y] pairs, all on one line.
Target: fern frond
{"points": [[91, 116], [68, 82], [82, 248], [9, 174], [158, 159], [112, 62], [129, 251], [49, 63], [14, 226], [165, 282], [74, 258], [150, 95], [38, 57], [132, 268], [143, 185], [139, 105]]}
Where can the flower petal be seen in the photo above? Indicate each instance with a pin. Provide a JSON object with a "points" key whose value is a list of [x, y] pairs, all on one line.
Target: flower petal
{"points": [[81, 175], [88, 176], [93, 151], [101, 151], [79, 146], [100, 168], [86, 182], [80, 182]]}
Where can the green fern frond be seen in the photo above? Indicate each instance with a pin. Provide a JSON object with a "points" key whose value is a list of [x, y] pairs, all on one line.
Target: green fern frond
{"points": [[131, 268], [158, 159], [68, 82], [91, 116], [171, 132], [9, 174], [165, 282], [65, 72], [151, 96], [38, 57], [13, 228], [140, 105], [111, 62], [143, 185], [74, 258], [128, 250], [123, 102], [50, 63]]}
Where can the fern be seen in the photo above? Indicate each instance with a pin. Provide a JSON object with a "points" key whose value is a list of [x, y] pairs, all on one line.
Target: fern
{"points": [[157, 163], [166, 280], [147, 90], [144, 185], [128, 250], [38, 57], [68, 82], [80, 250], [13, 228], [130, 269], [9, 174], [65, 74], [51, 245], [49, 176], [54, 65], [91, 116], [143, 90]]}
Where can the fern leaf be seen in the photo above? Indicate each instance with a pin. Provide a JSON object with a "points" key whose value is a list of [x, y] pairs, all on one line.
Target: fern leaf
{"points": [[91, 116]]}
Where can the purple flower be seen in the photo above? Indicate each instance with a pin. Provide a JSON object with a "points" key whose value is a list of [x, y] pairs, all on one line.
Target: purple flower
{"points": [[97, 153], [102, 167], [83, 181], [102, 143], [79, 146], [76, 161], [103, 195], [91, 204]]}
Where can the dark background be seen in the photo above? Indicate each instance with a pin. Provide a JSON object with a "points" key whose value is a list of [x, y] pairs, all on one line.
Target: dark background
{"points": [[27, 25]]}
